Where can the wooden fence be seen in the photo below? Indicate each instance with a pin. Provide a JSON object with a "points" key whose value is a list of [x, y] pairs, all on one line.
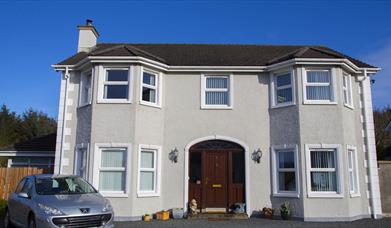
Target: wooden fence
{"points": [[10, 177]]}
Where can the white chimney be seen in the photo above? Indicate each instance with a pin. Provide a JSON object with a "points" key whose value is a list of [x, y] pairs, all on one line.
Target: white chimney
{"points": [[87, 36]]}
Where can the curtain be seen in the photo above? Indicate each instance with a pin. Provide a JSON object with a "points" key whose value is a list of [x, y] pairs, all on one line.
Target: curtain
{"points": [[216, 98], [112, 181], [323, 180], [318, 92], [217, 83]]}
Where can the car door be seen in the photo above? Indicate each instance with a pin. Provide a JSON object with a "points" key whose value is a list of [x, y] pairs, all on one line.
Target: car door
{"points": [[25, 203], [13, 202]]}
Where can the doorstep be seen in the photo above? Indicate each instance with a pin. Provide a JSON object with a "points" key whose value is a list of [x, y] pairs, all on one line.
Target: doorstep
{"points": [[218, 216]]}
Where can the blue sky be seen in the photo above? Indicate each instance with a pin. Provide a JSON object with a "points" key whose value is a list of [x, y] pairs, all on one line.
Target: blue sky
{"points": [[36, 34]]}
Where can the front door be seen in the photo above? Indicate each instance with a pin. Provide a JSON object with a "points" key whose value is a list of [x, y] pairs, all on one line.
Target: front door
{"points": [[215, 179]]}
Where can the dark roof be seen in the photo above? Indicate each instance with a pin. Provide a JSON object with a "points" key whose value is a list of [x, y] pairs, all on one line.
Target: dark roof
{"points": [[43, 143], [212, 54]]}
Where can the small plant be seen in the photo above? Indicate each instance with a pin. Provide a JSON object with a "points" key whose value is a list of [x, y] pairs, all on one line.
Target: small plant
{"points": [[268, 212], [285, 210]]}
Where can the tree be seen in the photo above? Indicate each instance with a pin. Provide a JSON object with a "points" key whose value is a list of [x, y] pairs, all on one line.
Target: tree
{"points": [[31, 124], [381, 118]]}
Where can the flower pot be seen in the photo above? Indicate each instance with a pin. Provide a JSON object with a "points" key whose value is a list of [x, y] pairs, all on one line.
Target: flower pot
{"points": [[177, 213], [285, 215], [267, 213], [163, 215], [147, 218]]}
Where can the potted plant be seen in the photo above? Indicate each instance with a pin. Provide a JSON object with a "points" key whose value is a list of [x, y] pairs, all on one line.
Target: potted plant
{"points": [[147, 218], [268, 212], [163, 215], [285, 211], [177, 213]]}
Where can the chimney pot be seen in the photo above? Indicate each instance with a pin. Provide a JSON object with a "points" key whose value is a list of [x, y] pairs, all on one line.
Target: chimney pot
{"points": [[89, 22]]}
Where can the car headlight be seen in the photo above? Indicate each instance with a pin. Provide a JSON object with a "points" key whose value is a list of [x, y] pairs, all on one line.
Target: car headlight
{"points": [[49, 210], [107, 207]]}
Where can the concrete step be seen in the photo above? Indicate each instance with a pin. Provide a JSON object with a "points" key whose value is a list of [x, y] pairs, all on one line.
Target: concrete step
{"points": [[218, 216]]}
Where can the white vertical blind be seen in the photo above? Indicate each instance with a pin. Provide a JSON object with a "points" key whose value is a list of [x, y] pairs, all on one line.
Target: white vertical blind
{"points": [[323, 171], [112, 170], [318, 85], [352, 169], [147, 170], [217, 90]]}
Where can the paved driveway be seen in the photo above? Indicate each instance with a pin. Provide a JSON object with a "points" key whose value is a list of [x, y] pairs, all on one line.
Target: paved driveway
{"points": [[256, 222]]}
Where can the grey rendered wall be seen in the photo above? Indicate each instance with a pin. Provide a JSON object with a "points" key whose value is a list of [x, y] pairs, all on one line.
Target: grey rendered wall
{"points": [[333, 124]]}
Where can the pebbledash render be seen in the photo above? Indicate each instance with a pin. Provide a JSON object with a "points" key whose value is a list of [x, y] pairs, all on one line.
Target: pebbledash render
{"points": [[153, 126]]}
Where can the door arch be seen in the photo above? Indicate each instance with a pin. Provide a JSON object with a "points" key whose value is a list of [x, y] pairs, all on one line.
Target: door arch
{"points": [[221, 148]]}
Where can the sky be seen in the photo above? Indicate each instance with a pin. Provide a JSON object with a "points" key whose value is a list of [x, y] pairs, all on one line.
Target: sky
{"points": [[36, 34]]}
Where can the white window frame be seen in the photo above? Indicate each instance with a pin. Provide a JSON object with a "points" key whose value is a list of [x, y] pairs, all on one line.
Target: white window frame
{"points": [[338, 168], [229, 90], [348, 90], [354, 169], [275, 170], [102, 82], [158, 87], [81, 147], [97, 168], [333, 92], [157, 169], [274, 88], [83, 77]]}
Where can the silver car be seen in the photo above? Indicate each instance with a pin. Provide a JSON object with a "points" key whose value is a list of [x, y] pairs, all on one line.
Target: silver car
{"points": [[47, 200]]}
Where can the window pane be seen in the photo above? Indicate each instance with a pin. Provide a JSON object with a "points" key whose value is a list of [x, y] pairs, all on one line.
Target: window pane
{"points": [[147, 181], [284, 95], [351, 181], [116, 75], [350, 159], [318, 92], [216, 98], [287, 181], [195, 167], [283, 80], [149, 95], [217, 82], [116, 92], [323, 181], [147, 159], [112, 181], [149, 79], [318, 76], [238, 173], [322, 159], [113, 158], [20, 160], [286, 160]]}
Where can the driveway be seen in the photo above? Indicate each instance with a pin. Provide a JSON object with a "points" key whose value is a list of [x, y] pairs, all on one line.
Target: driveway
{"points": [[256, 222]]}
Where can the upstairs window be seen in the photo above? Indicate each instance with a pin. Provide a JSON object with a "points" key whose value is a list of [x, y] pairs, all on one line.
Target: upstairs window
{"points": [[347, 90], [150, 88], [115, 85], [216, 91], [283, 89], [318, 87], [85, 89]]}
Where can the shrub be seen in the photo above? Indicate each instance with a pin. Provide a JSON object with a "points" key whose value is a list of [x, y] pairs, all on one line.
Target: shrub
{"points": [[3, 206]]}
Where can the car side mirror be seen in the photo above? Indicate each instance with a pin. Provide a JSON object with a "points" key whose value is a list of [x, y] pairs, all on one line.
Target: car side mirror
{"points": [[23, 195]]}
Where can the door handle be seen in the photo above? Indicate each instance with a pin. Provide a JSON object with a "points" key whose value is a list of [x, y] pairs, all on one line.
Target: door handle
{"points": [[217, 185], [206, 180]]}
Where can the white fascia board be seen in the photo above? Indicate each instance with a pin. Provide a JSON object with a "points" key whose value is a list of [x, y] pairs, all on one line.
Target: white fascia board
{"points": [[13, 153]]}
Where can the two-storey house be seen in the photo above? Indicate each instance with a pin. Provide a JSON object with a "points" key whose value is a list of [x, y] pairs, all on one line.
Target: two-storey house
{"points": [[153, 126]]}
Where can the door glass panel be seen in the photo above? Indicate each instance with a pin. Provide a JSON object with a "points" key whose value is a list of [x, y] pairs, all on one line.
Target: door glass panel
{"points": [[238, 168], [195, 167]]}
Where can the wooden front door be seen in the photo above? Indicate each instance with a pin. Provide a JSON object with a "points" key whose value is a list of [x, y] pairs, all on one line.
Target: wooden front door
{"points": [[215, 179]]}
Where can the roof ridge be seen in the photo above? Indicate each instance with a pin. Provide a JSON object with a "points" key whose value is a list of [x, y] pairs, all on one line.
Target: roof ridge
{"points": [[129, 47], [111, 49], [293, 53], [206, 44]]}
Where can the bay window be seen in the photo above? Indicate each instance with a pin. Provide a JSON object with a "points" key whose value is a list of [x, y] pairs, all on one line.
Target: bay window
{"points": [[285, 171], [347, 90], [283, 90], [85, 89], [323, 172], [150, 91], [352, 171], [114, 85], [318, 86], [148, 171]]}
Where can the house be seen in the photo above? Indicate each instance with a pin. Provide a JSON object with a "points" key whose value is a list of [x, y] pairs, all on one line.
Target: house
{"points": [[153, 126], [38, 152]]}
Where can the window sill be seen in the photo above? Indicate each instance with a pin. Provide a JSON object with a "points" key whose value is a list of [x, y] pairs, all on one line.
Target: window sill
{"points": [[154, 105], [355, 195], [83, 105], [349, 106], [286, 195], [145, 195], [215, 107], [282, 105], [320, 102], [114, 101], [325, 195], [114, 194]]}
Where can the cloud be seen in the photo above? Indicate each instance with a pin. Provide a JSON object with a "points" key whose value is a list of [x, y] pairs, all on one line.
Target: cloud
{"points": [[381, 90]]}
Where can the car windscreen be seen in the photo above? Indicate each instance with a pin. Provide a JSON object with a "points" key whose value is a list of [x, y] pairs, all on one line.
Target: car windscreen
{"points": [[62, 186]]}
